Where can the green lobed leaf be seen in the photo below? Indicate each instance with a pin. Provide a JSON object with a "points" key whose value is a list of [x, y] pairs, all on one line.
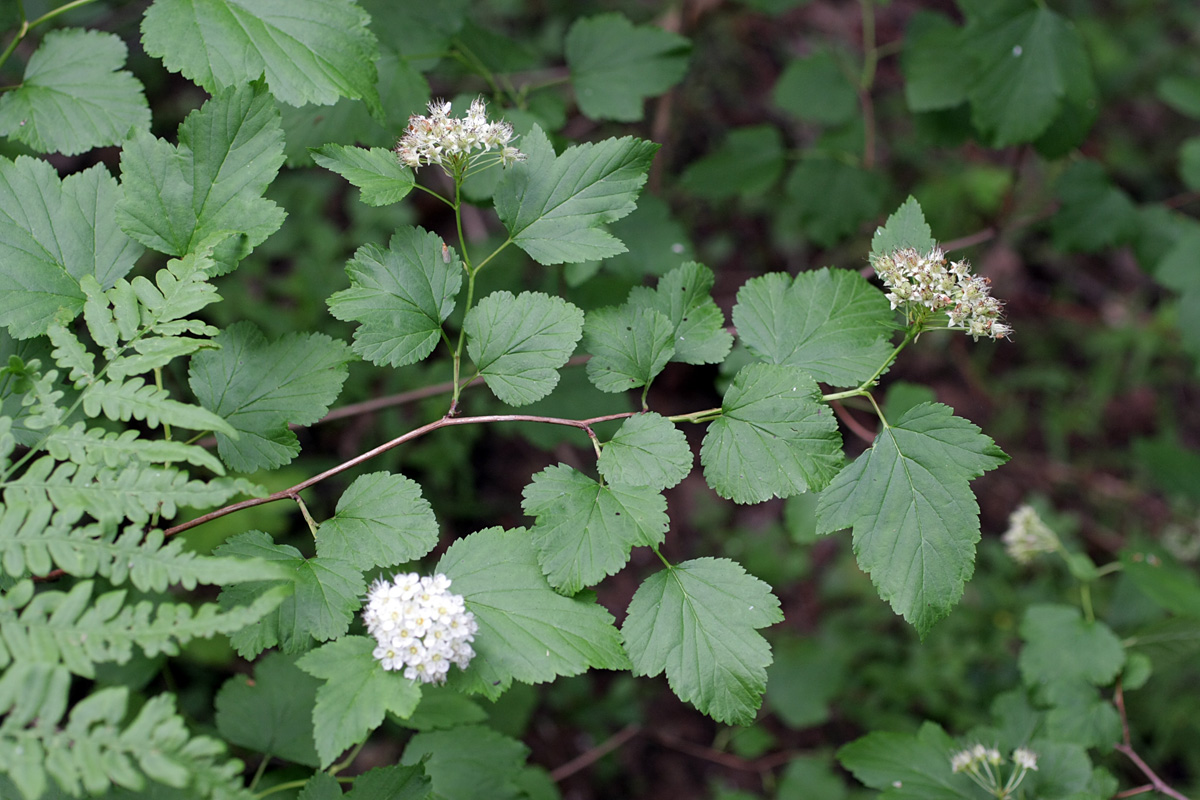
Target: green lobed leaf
{"points": [[934, 78], [229, 151], [401, 296], [649, 451], [831, 324], [683, 296], [1022, 76], [527, 631], [914, 517], [774, 438], [906, 227], [259, 387], [629, 346], [1094, 215], [356, 693], [615, 65], [584, 530], [326, 593], [74, 95], [390, 783], [816, 89], [907, 766], [553, 206], [697, 622], [376, 171], [310, 51], [519, 343], [1062, 647], [469, 763], [52, 233], [833, 199], [272, 713], [381, 520], [748, 162]]}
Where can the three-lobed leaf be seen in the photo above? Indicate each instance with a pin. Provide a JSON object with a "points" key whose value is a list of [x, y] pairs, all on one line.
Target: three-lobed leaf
{"points": [[905, 228], [831, 324], [629, 346], [774, 438], [584, 530], [683, 296], [648, 450], [553, 206], [271, 713], [698, 622], [914, 517], [400, 296], [74, 95], [381, 520]]}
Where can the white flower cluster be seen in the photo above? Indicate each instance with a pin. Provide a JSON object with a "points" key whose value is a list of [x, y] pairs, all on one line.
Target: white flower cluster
{"points": [[1028, 535], [927, 280], [420, 627], [450, 142], [978, 763]]}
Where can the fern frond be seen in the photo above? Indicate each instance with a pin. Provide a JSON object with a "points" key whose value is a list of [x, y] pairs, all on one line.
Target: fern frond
{"points": [[179, 290], [8, 442], [153, 352], [110, 449], [132, 492], [41, 395], [137, 400], [92, 752], [97, 313], [70, 354]]}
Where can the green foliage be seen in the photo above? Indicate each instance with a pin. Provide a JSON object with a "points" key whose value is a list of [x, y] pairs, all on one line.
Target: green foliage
{"points": [[381, 520]]}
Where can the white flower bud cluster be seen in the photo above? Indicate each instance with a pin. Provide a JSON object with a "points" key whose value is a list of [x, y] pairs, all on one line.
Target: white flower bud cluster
{"points": [[449, 142], [927, 280], [421, 628], [982, 765], [1028, 535]]}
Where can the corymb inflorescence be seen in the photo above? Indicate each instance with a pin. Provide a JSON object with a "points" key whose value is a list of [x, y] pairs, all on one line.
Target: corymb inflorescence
{"points": [[420, 626]]}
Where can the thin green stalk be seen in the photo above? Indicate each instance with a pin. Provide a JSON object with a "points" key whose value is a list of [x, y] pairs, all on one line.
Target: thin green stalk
{"points": [[258, 773], [870, 53], [661, 558], [27, 25]]}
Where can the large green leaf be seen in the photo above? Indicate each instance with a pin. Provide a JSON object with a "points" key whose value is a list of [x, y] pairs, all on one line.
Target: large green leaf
{"points": [[74, 95], [629, 346], [934, 78], [905, 766], [774, 438], [259, 387], [833, 199], [356, 693], [401, 296], [584, 530], [832, 324], [697, 622], [683, 295], [229, 151], [553, 206], [815, 88], [748, 162], [469, 763], [527, 631], [381, 520], [914, 517], [52, 233], [310, 51], [327, 591], [518, 343], [272, 713], [649, 451], [1062, 647], [615, 65]]}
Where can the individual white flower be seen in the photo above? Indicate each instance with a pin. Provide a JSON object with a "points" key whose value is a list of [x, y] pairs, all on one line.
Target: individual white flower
{"points": [[961, 761], [924, 282], [420, 627], [1024, 758], [1028, 535]]}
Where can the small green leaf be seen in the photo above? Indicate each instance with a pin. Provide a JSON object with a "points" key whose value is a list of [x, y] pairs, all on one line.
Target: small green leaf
{"points": [[748, 162], [74, 95], [401, 296], [271, 714], [1061, 647], [905, 766], [629, 346], [697, 622], [382, 179], [649, 451], [1095, 215], [833, 199], [774, 438], [229, 151], [816, 89], [518, 343], [683, 296], [584, 531], [915, 519], [527, 631], [311, 51], [381, 520], [615, 65], [830, 323], [906, 228], [327, 592], [356, 694], [48, 246], [469, 763], [553, 206], [259, 387]]}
